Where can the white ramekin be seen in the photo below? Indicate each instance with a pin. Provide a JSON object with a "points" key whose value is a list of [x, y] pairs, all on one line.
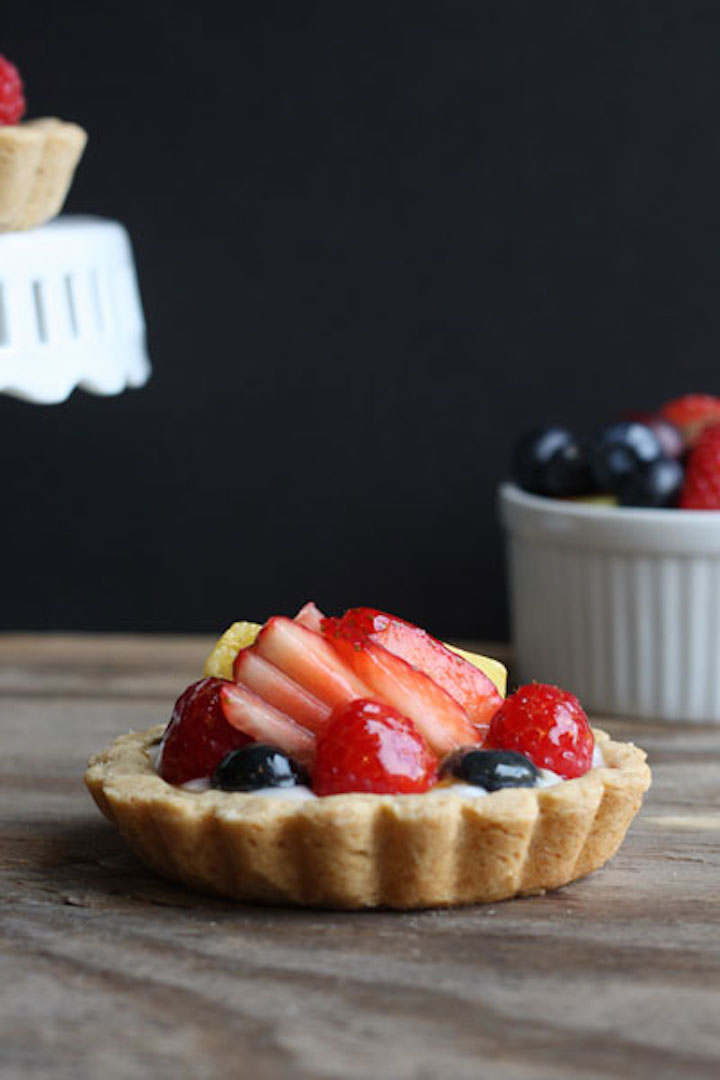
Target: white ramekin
{"points": [[619, 605]]}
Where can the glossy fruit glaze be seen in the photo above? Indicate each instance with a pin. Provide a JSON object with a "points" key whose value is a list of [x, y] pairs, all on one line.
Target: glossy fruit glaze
{"points": [[198, 735], [370, 747], [548, 725], [469, 686]]}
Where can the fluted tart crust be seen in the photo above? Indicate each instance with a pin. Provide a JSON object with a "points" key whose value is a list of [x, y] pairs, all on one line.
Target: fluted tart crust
{"points": [[365, 851], [38, 159]]}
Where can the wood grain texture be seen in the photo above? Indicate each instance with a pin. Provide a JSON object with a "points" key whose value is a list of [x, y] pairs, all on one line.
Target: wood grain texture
{"points": [[107, 970]]}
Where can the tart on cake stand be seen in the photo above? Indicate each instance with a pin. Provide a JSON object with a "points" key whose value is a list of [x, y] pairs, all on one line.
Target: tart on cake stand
{"points": [[70, 311]]}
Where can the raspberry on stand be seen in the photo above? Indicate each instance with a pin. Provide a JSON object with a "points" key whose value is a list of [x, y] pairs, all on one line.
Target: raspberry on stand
{"points": [[12, 97]]}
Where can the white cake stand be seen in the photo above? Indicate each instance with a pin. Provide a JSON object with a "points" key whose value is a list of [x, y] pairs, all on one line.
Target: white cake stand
{"points": [[70, 311]]}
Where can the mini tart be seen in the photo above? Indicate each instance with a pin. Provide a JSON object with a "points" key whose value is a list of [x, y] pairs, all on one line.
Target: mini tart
{"points": [[365, 851], [37, 164]]}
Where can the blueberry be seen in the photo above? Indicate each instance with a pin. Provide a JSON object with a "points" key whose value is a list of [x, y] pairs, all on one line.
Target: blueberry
{"points": [[258, 766], [490, 769], [656, 484], [551, 461], [622, 449]]}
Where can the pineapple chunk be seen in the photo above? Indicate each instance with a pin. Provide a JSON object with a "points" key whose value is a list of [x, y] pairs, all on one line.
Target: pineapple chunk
{"points": [[236, 637], [495, 671]]}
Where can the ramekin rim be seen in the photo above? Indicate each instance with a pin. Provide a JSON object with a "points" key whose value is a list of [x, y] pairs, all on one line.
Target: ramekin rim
{"points": [[511, 493]]}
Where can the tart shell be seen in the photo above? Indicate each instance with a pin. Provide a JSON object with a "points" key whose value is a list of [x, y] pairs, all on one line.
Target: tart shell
{"points": [[366, 851], [37, 164]]}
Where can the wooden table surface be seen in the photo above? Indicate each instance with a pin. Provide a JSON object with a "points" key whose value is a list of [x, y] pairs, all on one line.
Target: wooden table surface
{"points": [[108, 971]]}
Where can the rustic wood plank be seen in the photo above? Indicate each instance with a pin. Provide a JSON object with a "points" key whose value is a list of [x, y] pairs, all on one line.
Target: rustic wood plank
{"points": [[107, 970]]}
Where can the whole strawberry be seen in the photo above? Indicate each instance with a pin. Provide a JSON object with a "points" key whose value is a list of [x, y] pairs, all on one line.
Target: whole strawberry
{"points": [[701, 490], [691, 414], [371, 747], [548, 725], [12, 100], [198, 736]]}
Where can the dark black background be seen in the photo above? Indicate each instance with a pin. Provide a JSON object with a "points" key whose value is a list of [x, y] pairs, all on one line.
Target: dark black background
{"points": [[375, 241]]}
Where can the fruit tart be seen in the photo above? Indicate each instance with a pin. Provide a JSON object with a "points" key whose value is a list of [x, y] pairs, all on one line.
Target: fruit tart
{"points": [[38, 158], [357, 762]]}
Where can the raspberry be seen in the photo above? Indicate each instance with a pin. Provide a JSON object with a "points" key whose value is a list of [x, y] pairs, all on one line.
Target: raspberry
{"points": [[701, 490], [198, 736], [692, 413], [370, 747], [12, 101], [547, 725]]}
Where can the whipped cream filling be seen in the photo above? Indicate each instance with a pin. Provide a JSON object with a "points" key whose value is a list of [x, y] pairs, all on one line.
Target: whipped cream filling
{"points": [[298, 792]]}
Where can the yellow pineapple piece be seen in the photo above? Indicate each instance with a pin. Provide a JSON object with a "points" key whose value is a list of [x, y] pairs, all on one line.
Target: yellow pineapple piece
{"points": [[595, 500], [236, 637], [495, 671]]}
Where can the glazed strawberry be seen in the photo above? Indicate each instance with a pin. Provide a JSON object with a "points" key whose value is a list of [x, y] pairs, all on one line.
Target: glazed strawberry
{"points": [[548, 726], [370, 747], [249, 713], [12, 100], [279, 690], [470, 687], [198, 736], [692, 413], [436, 715], [701, 489]]}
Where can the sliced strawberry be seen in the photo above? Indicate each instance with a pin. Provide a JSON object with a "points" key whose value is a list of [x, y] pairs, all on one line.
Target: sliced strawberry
{"points": [[279, 690], [470, 687], [310, 660], [310, 616], [436, 715], [247, 712]]}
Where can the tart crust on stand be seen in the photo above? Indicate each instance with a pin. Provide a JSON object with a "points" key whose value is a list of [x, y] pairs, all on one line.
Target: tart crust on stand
{"points": [[37, 164], [365, 851]]}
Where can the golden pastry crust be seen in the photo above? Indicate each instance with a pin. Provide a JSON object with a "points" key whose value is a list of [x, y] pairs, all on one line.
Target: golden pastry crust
{"points": [[365, 851], [37, 164]]}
